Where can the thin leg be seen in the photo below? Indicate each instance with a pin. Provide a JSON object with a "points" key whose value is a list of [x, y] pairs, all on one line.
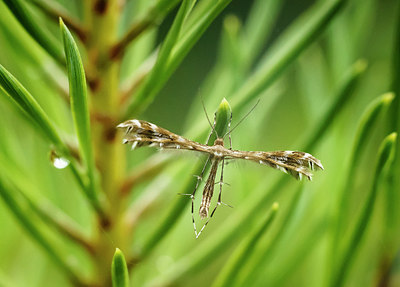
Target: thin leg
{"points": [[213, 127], [208, 119], [229, 131], [209, 136], [219, 202], [199, 178]]}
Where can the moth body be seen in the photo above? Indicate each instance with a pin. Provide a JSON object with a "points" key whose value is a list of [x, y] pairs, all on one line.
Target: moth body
{"points": [[208, 190]]}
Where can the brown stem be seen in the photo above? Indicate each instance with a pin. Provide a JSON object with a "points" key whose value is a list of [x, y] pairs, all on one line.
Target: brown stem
{"points": [[57, 78], [127, 92], [54, 11], [132, 84], [384, 271], [65, 227], [142, 206], [145, 171], [153, 17]]}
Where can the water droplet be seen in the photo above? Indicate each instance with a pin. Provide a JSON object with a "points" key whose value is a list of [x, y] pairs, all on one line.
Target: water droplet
{"points": [[58, 162]]}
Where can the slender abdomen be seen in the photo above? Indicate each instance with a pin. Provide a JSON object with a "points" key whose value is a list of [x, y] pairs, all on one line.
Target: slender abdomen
{"points": [[208, 190]]}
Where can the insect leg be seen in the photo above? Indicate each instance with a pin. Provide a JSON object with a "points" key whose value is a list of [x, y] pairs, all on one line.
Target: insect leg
{"points": [[199, 178], [229, 132], [219, 202], [209, 136]]}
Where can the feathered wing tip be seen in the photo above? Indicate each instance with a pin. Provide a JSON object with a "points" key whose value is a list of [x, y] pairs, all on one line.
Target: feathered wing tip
{"points": [[132, 126], [138, 133], [295, 163], [304, 159], [141, 133], [123, 125]]}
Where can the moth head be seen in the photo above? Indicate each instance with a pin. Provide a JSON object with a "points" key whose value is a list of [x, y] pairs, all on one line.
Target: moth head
{"points": [[219, 141]]}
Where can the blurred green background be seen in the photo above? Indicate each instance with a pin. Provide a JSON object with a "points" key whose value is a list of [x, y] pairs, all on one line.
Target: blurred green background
{"points": [[298, 248]]}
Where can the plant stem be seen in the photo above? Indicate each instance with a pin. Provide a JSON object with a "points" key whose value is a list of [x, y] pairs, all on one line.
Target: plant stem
{"points": [[103, 77], [55, 11], [152, 17]]}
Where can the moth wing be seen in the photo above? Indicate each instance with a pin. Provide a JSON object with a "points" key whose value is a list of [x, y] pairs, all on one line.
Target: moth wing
{"points": [[141, 133], [295, 163]]}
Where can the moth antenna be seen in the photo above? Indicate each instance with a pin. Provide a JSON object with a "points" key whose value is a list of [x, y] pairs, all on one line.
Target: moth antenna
{"points": [[208, 119], [242, 119]]}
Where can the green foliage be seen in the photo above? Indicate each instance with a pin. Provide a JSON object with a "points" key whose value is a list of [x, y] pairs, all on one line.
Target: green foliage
{"points": [[29, 105], [227, 276], [48, 43], [368, 119], [155, 79], [119, 270], [385, 157], [307, 67], [80, 110], [222, 118]]}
